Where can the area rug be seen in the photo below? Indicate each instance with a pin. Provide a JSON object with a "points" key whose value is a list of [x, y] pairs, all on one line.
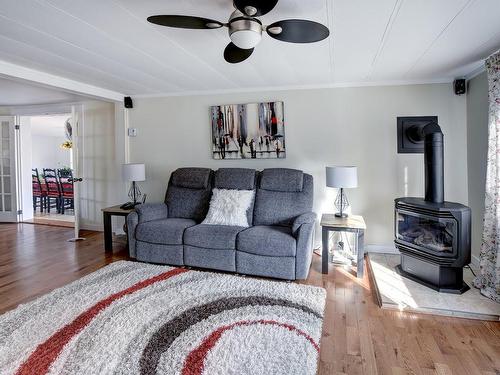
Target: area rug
{"points": [[135, 318], [399, 293]]}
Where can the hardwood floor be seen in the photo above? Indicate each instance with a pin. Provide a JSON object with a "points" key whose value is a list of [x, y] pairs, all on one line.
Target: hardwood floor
{"points": [[358, 336]]}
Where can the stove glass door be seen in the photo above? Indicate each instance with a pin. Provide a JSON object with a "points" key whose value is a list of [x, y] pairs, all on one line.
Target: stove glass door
{"points": [[430, 234]]}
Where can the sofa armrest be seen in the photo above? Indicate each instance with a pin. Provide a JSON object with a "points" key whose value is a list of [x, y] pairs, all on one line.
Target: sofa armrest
{"points": [[305, 244], [307, 218], [151, 211], [132, 222]]}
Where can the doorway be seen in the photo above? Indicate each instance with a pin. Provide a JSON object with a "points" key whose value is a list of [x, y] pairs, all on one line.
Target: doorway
{"points": [[50, 163], [93, 163]]}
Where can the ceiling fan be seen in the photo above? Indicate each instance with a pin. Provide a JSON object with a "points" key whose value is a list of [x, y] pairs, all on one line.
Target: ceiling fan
{"points": [[245, 29]]}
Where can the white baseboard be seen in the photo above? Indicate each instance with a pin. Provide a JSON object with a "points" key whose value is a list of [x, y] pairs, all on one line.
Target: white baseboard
{"points": [[99, 228], [385, 249], [92, 227]]}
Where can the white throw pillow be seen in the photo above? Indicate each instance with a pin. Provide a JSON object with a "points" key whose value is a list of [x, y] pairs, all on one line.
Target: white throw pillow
{"points": [[229, 207]]}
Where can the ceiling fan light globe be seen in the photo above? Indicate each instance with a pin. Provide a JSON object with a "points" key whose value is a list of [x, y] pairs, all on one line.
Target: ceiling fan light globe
{"points": [[246, 39]]}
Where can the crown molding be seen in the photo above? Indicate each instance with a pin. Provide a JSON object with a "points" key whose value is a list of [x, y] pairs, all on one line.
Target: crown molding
{"points": [[477, 71], [295, 87]]}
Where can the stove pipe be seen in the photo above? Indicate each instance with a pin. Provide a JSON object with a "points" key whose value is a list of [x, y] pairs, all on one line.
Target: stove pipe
{"points": [[434, 163], [432, 136]]}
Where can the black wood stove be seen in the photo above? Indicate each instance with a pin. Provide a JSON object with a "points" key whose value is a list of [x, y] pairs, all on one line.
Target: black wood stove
{"points": [[432, 235]]}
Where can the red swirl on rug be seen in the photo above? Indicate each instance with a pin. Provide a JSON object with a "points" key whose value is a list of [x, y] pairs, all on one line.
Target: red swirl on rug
{"points": [[45, 354], [194, 363]]}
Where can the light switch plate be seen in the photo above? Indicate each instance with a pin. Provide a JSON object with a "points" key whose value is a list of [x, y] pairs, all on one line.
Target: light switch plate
{"points": [[132, 132]]}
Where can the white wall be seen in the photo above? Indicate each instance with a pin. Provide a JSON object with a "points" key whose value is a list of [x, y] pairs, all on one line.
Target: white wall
{"points": [[48, 133], [343, 126], [477, 150], [47, 152]]}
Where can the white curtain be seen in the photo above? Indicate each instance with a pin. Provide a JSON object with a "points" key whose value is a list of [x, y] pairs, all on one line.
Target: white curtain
{"points": [[488, 279]]}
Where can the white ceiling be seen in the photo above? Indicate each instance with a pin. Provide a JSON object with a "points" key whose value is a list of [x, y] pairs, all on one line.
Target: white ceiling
{"points": [[17, 93], [109, 43]]}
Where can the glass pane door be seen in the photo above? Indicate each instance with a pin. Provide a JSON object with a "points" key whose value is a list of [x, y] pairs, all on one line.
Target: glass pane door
{"points": [[434, 235], [8, 210]]}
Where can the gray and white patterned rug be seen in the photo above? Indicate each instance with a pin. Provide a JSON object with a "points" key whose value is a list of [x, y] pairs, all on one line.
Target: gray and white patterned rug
{"points": [[134, 318]]}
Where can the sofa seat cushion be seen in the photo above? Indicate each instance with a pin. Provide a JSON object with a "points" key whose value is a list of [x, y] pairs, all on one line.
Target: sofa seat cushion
{"points": [[163, 231], [267, 240], [221, 237]]}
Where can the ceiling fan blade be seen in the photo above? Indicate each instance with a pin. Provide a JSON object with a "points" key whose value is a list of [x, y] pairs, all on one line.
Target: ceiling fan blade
{"points": [[185, 22], [255, 8], [234, 55], [298, 31]]}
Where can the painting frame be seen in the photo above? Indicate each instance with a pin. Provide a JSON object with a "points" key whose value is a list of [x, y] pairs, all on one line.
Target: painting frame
{"points": [[248, 131]]}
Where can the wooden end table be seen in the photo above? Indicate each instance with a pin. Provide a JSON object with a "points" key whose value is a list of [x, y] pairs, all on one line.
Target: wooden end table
{"points": [[107, 213], [352, 223]]}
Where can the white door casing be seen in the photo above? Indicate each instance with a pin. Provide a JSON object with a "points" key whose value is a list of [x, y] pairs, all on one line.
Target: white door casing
{"points": [[8, 198], [77, 122]]}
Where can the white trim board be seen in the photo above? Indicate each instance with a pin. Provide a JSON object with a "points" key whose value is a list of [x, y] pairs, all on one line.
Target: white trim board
{"points": [[382, 249], [476, 72], [41, 109], [92, 227], [295, 87], [9, 70]]}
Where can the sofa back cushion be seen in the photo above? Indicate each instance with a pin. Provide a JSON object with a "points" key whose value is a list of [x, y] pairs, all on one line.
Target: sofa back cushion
{"points": [[282, 195], [188, 193], [237, 179], [282, 179], [191, 178]]}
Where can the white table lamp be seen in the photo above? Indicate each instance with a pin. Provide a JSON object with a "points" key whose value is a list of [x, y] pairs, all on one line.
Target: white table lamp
{"points": [[341, 178], [134, 172]]}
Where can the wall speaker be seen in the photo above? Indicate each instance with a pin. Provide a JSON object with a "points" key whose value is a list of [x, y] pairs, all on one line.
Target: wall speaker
{"points": [[127, 102], [459, 86]]}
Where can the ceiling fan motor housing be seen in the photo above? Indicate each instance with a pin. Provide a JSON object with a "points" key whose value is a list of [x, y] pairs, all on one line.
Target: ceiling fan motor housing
{"points": [[245, 32]]}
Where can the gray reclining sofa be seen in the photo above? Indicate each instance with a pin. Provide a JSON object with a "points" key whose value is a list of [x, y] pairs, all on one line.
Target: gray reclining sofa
{"points": [[277, 244]]}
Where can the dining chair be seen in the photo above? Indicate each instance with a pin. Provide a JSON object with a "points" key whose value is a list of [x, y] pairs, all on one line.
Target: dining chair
{"points": [[53, 189], [39, 190], [66, 188]]}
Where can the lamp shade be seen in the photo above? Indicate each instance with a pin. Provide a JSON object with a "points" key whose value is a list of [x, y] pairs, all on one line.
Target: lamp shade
{"points": [[133, 172], [342, 177]]}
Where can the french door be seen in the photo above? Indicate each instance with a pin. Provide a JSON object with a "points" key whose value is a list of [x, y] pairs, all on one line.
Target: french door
{"points": [[8, 207], [78, 167]]}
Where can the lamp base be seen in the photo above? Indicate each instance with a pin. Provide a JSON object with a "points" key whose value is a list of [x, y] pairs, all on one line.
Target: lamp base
{"points": [[341, 203]]}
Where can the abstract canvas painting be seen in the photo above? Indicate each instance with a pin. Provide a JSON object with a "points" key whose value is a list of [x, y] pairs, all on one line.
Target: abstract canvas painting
{"points": [[248, 131]]}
